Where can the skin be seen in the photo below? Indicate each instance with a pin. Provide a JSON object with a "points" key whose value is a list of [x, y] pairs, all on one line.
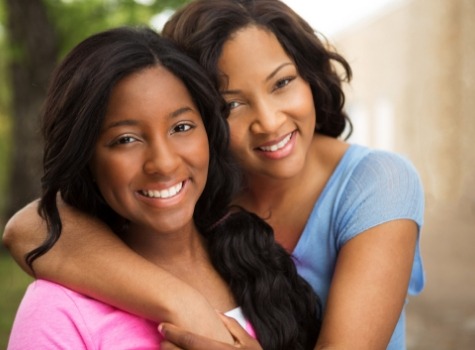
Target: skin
{"points": [[180, 339], [269, 102], [151, 164]]}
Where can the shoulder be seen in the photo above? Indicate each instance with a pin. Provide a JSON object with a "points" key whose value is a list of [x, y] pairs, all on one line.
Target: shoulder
{"points": [[384, 165], [376, 187], [364, 170], [43, 294], [57, 317], [49, 315]]}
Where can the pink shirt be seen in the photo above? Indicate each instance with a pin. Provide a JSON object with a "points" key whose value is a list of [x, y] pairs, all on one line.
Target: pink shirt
{"points": [[51, 316]]}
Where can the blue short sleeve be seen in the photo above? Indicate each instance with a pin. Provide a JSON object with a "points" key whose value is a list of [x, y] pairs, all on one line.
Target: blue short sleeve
{"points": [[383, 187]]}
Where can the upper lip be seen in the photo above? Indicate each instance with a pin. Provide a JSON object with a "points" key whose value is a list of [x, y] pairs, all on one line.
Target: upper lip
{"points": [[274, 141]]}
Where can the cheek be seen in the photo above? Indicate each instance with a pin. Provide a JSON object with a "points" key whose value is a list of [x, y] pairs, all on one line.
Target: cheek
{"points": [[202, 156], [109, 174], [105, 181], [195, 151], [237, 134], [304, 106]]}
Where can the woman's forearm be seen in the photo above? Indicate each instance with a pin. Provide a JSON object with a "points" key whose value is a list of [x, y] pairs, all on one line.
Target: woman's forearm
{"points": [[92, 260], [369, 288]]}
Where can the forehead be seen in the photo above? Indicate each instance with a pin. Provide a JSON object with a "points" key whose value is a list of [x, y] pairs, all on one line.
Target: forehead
{"points": [[148, 92], [251, 48]]}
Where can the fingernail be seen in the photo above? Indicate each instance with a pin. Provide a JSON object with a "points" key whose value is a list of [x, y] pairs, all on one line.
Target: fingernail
{"points": [[160, 328]]}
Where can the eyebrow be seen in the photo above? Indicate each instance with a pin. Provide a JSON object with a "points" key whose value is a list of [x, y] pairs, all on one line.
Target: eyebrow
{"points": [[132, 122], [275, 71], [269, 77]]}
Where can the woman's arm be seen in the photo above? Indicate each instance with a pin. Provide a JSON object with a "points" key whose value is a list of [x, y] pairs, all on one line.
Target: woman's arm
{"points": [[366, 297], [92, 260], [369, 288]]}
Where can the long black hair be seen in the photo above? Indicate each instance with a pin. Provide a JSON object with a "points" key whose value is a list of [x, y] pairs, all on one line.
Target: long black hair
{"points": [[281, 305], [202, 27]]}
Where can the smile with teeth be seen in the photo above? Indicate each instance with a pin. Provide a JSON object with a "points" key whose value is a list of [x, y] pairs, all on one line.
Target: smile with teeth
{"points": [[277, 146], [166, 193]]}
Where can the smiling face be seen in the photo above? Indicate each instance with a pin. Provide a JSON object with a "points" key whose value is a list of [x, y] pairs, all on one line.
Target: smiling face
{"points": [[151, 160], [272, 118]]}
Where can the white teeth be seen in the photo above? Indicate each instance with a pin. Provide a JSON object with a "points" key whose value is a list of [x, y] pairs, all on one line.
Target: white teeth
{"points": [[277, 146], [167, 193]]}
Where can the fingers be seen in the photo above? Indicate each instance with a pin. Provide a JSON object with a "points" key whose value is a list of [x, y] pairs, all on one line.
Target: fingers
{"points": [[181, 339], [234, 328], [166, 345], [241, 336]]}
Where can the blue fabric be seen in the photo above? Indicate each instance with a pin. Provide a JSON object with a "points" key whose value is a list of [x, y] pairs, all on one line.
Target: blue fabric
{"points": [[368, 188]]}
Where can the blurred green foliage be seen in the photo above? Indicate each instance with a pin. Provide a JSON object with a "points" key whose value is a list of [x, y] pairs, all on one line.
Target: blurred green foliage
{"points": [[12, 286], [4, 120], [77, 19]]}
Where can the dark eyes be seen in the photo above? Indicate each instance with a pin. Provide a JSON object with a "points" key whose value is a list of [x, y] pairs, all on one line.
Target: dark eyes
{"points": [[280, 84], [283, 82], [128, 139], [124, 140], [182, 128], [233, 104]]}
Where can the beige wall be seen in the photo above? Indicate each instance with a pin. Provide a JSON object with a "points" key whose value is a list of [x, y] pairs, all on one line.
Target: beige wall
{"points": [[414, 93], [419, 59]]}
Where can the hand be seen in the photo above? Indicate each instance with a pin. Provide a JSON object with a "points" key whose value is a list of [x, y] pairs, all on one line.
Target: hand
{"points": [[176, 338]]}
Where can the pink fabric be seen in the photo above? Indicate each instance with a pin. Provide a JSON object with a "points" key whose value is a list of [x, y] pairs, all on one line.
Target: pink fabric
{"points": [[51, 316], [250, 330]]}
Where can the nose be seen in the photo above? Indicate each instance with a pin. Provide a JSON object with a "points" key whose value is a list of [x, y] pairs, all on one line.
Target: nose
{"points": [[160, 159], [267, 118]]}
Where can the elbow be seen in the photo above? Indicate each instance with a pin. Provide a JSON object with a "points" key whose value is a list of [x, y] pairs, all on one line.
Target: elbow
{"points": [[9, 234], [16, 242], [16, 233]]}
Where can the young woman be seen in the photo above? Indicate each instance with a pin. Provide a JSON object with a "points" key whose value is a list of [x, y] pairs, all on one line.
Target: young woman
{"points": [[134, 136], [351, 216]]}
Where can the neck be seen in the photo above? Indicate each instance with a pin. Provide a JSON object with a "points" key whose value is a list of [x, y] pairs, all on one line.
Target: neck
{"points": [[263, 194], [267, 195], [184, 255], [185, 247]]}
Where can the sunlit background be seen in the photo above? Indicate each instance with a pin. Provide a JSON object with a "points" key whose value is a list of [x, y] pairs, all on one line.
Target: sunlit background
{"points": [[413, 92], [331, 17]]}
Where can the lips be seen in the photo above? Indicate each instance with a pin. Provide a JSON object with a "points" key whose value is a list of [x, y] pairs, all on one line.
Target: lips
{"points": [[165, 193], [276, 145]]}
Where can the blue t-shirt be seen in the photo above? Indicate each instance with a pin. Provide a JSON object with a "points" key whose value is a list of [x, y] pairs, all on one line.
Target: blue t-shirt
{"points": [[368, 188]]}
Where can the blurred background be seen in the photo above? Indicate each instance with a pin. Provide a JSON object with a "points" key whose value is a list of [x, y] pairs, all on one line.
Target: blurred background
{"points": [[413, 92]]}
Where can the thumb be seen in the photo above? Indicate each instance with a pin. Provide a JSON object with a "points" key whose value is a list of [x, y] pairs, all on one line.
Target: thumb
{"points": [[188, 341], [236, 330]]}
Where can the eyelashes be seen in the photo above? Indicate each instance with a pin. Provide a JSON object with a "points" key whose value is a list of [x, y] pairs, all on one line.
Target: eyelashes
{"points": [[183, 127], [280, 84], [126, 139]]}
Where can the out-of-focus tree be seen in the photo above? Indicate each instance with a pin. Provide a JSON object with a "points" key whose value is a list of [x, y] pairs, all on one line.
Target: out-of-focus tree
{"points": [[38, 33], [4, 120], [32, 52]]}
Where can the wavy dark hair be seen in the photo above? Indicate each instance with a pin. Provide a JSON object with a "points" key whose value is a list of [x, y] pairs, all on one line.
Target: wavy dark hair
{"points": [[281, 305], [202, 27]]}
